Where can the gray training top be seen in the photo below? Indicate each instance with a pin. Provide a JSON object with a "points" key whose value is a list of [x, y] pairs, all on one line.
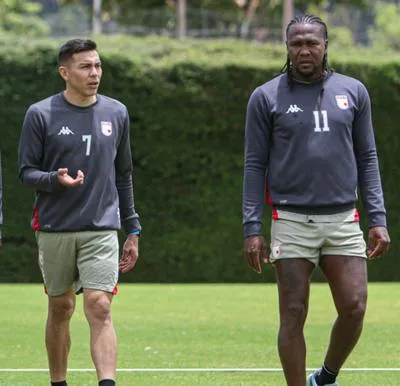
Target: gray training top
{"points": [[94, 139], [310, 146]]}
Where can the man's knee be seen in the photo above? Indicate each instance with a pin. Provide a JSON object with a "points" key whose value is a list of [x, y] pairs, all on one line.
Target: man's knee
{"points": [[293, 314], [98, 307], [354, 307], [61, 307]]}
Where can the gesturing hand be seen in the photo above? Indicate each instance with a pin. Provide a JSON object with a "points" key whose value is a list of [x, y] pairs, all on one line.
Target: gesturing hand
{"points": [[255, 251], [65, 179]]}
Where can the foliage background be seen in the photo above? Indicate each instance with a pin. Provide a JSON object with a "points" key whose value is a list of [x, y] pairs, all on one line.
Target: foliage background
{"points": [[187, 103]]}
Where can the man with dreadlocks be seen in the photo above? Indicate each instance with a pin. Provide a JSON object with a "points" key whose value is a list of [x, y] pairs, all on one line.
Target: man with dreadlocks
{"points": [[309, 142]]}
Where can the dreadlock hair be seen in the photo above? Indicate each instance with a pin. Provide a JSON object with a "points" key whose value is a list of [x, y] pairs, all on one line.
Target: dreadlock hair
{"points": [[305, 19]]}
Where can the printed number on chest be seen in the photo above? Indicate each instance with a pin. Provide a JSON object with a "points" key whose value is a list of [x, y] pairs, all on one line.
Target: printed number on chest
{"points": [[321, 121], [88, 140]]}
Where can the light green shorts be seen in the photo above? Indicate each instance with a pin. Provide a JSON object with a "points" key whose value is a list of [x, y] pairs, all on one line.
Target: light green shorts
{"points": [[78, 260], [309, 237]]}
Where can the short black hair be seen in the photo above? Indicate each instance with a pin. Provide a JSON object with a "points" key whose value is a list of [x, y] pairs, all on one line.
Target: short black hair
{"points": [[74, 46], [306, 19]]}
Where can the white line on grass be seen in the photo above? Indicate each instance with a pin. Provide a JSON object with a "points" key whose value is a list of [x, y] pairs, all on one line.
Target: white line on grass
{"points": [[204, 370]]}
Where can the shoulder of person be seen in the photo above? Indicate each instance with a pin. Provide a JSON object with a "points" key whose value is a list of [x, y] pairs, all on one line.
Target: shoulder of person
{"points": [[279, 81], [351, 86], [346, 80], [45, 105], [107, 101], [270, 89]]}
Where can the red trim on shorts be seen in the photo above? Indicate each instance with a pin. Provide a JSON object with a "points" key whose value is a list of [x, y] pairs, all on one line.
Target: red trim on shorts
{"points": [[275, 215], [356, 215], [35, 224], [114, 291], [268, 199]]}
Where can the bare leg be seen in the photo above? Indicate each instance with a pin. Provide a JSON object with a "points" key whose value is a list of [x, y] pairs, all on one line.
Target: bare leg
{"points": [[103, 340], [293, 279], [58, 340], [347, 277]]}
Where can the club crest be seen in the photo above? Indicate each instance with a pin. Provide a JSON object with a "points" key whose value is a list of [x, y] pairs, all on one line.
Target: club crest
{"points": [[106, 128], [276, 249], [342, 102]]}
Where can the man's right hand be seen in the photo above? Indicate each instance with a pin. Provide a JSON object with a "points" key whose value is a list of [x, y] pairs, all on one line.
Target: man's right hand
{"points": [[65, 179], [130, 253], [255, 252]]}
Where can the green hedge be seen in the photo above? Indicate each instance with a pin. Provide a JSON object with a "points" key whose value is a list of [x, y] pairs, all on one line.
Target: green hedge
{"points": [[187, 104]]}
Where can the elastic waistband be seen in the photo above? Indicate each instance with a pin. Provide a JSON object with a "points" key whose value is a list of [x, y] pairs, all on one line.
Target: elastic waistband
{"points": [[351, 215], [318, 209]]}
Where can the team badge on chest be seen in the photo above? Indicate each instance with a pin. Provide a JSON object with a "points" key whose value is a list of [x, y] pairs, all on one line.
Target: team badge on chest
{"points": [[342, 102], [106, 128]]}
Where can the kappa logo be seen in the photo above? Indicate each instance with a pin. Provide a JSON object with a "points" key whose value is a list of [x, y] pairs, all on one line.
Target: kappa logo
{"points": [[294, 109], [65, 130]]}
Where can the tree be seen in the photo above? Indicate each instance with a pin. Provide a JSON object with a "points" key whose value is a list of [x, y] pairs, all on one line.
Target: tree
{"points": [[303, 5], [96, 19], [181, 16], [221, 5], [22, 18], [386, 32], [70, 19], [244, 11], [249, 11], [287, 15]]}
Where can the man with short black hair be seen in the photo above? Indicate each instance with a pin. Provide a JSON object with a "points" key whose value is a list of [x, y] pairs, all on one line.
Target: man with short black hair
{"points": [[75, 152], [309, 140]]}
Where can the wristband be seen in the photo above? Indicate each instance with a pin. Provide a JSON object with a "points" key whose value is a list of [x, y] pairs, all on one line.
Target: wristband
{"points": [[136, 232]]}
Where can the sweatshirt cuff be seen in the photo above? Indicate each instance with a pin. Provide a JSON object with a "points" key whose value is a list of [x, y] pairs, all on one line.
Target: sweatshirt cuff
{"points": [[55, 183], [132, 226], [252, 229], [377, 220]]}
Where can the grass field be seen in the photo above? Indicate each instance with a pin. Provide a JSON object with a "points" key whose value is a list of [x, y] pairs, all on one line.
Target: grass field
{"points": [[199, 327]]}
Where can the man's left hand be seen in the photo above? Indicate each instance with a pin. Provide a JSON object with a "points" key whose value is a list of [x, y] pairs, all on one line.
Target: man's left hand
{"points": [[378, 242], [130, 253]]}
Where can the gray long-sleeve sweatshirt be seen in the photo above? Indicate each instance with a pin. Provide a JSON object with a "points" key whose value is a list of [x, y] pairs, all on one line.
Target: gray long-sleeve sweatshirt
{"points": [[94, 139], [310, 146]]}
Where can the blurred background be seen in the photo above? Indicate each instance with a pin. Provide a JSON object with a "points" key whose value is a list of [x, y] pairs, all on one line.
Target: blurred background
{"points": [[361, 22], [185, 69]]}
